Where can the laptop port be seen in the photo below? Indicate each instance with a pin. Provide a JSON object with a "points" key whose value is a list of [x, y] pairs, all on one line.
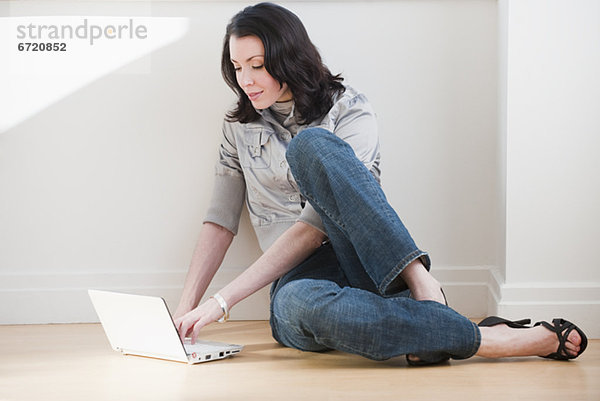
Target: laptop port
{"points": [[207, 357], [221, 354]]}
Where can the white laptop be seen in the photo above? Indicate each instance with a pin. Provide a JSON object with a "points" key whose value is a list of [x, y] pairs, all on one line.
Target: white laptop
{"points": [[142, 325]]}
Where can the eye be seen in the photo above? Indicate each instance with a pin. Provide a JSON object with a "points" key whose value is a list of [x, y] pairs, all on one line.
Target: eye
{"points": [[258, 67], [237, 68]]}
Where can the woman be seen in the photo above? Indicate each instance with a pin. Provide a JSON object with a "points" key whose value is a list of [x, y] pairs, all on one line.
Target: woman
{"points": [[302, 150]]}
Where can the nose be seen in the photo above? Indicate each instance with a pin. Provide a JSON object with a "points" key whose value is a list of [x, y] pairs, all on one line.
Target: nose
{"points": [[245, 78]]}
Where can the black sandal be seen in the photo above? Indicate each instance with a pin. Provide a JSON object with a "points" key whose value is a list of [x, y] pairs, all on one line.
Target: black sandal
{"points": [[563, 328], [432, 359], [494, 320], [559, 326]]}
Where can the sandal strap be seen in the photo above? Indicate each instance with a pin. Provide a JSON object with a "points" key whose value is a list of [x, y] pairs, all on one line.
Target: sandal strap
{"points": [[562, 328], [495, 320]]}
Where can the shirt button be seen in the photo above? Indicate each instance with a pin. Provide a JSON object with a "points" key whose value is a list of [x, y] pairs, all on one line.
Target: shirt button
{"points": [[282, 164]]}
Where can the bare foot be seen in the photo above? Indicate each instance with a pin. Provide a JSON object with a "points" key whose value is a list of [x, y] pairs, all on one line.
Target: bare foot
{"points": [[423, 286], [502, 341]]}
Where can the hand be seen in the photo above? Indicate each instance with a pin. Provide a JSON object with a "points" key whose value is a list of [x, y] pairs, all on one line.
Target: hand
{"points": [[193, 321]]}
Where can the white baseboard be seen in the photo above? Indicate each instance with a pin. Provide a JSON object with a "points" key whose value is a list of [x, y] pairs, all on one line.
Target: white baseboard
{"points": [[63, 298], [576, 302], [481, 291], [467, 288], [473, 291]]}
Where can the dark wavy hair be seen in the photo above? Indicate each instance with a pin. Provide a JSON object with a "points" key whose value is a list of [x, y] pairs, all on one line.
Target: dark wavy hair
{"points": [[290, 57]]}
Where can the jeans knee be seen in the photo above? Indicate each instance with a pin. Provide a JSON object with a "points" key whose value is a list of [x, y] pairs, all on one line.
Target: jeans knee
{"points": [[309, 145], [308, 140], [291, 317], [288, 304], [300, 302]]}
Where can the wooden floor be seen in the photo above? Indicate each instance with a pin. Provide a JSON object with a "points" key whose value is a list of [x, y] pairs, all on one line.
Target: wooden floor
{"points": [[75, 362]]}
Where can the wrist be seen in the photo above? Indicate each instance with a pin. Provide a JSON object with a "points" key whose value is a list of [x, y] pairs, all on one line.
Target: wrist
{"points": [[187, 304], [224, 307]]}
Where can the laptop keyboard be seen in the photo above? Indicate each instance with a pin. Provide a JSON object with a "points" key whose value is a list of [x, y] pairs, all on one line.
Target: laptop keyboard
{"points": [[202, 346]]}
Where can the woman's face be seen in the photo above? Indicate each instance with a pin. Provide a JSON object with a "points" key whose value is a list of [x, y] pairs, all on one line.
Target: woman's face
{"points": [[248, 57]]}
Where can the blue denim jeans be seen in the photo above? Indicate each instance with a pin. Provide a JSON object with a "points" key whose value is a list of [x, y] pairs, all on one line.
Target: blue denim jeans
{"points": [[348, 295]]}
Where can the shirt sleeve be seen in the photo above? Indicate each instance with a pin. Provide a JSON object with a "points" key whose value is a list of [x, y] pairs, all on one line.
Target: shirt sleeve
{"points": [[310, 216], [229, 189], [355, 122]]}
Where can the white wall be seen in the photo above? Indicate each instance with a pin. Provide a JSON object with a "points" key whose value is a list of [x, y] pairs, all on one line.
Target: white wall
{"points": [[553, 140], [430, 70], [106, 172], [551, 100]]}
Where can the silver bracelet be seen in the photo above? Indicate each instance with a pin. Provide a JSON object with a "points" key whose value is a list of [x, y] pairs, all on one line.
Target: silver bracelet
{"points": [[217, 297]]}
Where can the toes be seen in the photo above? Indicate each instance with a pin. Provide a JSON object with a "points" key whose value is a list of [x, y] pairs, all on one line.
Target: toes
{"points": [[573, 343], [574, 338], [571, 348]]}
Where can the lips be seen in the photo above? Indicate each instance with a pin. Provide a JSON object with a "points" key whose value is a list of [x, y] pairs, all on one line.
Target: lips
{"points": [[254, 95]]}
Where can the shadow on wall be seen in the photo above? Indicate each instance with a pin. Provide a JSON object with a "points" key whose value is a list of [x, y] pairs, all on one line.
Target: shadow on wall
{"points": [[116, 154], [51, 57]]}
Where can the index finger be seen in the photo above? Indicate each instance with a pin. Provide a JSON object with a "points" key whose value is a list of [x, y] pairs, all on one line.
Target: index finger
{"points": [[183, 328], [196, 329]]}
